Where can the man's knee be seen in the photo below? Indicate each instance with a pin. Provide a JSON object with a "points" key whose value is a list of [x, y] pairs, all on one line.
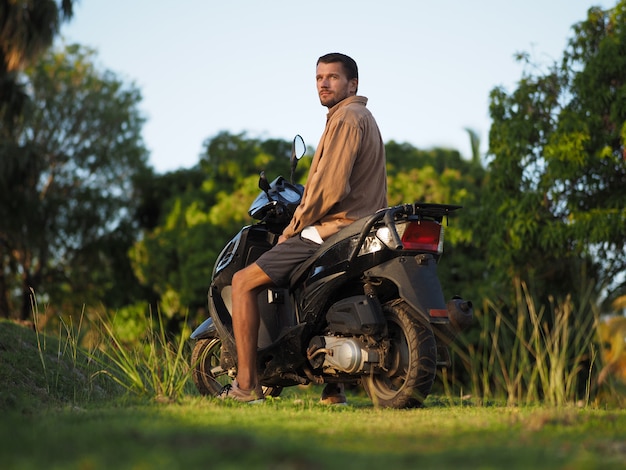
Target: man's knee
{"points": [[249, 278], [239, 280]]}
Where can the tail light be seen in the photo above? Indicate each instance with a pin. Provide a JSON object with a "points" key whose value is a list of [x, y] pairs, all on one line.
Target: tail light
{"points": [[416, 235], [423, 235]]}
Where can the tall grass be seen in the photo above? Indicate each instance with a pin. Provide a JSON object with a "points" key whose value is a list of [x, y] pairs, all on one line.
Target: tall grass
{"points": [[69, 374], [153, 364], [532, 354], [154, 367], [527, 353]]}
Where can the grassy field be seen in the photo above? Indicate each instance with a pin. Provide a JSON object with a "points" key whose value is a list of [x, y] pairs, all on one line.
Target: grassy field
{"points": [[54, 414], [295, 432]]}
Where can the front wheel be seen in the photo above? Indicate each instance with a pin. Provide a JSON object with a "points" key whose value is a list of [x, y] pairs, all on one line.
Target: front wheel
{"points": [[410, 363], [207, 373]]}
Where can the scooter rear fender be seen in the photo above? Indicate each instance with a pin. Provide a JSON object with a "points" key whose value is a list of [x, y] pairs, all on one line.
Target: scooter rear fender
{"points": [[418, 285]]}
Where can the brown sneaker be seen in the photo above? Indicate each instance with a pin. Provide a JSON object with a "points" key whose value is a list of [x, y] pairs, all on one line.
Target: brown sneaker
{"points": [[333, 394], [233, 392]]}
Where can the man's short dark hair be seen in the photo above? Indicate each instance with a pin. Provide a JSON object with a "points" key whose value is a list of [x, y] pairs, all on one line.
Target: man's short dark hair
{"points": [[349, 65]]}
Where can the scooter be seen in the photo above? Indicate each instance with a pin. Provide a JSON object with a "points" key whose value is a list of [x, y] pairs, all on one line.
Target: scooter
{"points": [[367, 308]]}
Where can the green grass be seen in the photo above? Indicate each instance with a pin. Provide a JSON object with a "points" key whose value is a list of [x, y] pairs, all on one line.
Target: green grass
{"points": [[71, 416], [39, 371], [296, 432], [155, 366]]}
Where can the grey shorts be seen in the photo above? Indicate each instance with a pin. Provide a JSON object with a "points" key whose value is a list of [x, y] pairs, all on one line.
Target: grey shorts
{"points": [[279, 262]]}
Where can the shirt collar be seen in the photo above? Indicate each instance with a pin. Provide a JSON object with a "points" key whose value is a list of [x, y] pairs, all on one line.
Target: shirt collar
{"points": [[350, 99]]}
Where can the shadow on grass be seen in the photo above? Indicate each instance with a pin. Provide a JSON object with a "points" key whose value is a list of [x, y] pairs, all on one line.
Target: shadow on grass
{"points": [[299, 433]]}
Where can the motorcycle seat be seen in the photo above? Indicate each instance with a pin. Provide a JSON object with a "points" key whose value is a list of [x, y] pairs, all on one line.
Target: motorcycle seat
{"points": [[350, 231]]}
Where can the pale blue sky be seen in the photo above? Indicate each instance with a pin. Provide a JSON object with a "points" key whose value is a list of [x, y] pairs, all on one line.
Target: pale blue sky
{"points": [[427, 67]]}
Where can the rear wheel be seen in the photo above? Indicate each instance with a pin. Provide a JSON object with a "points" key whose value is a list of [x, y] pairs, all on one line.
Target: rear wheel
{"points": [[410, 363], [207, 373]]}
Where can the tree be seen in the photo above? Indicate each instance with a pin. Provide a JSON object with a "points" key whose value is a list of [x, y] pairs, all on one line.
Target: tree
{"points": [[68, 188], [554, 202], [27, 29]]}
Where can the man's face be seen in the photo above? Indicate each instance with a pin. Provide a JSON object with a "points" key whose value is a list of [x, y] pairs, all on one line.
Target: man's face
{"points": [[333, 84]]}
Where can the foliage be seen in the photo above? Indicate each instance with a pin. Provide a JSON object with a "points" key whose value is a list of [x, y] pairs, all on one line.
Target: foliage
{"points": [[152, 364], [554, 199], [66, 179], [533, 354], [27, 29], [552, 210], [40, 371], [88, 360], [612, 339]]}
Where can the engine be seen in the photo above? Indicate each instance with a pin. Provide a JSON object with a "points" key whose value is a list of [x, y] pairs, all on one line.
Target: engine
{"points": [[349, 346], [336, 354]]}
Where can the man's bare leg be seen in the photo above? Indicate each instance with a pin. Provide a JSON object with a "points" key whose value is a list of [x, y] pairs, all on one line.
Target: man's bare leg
{"points": [[246, 320]]}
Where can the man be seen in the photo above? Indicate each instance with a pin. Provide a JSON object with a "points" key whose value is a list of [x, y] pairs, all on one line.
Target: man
{"points": [[347, 181]]}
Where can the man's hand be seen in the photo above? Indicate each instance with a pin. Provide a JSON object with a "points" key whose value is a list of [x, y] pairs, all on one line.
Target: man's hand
{"points": [[281, 239]]}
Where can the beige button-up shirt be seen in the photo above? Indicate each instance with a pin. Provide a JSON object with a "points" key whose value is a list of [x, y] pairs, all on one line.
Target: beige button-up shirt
{"points": [[347, 179]]}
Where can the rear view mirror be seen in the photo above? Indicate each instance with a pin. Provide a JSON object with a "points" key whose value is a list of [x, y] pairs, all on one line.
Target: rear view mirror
{"points": [[298, 149]]}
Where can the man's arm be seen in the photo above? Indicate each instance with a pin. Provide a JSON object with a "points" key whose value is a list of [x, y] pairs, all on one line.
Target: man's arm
{"points": [[331, 181]]}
